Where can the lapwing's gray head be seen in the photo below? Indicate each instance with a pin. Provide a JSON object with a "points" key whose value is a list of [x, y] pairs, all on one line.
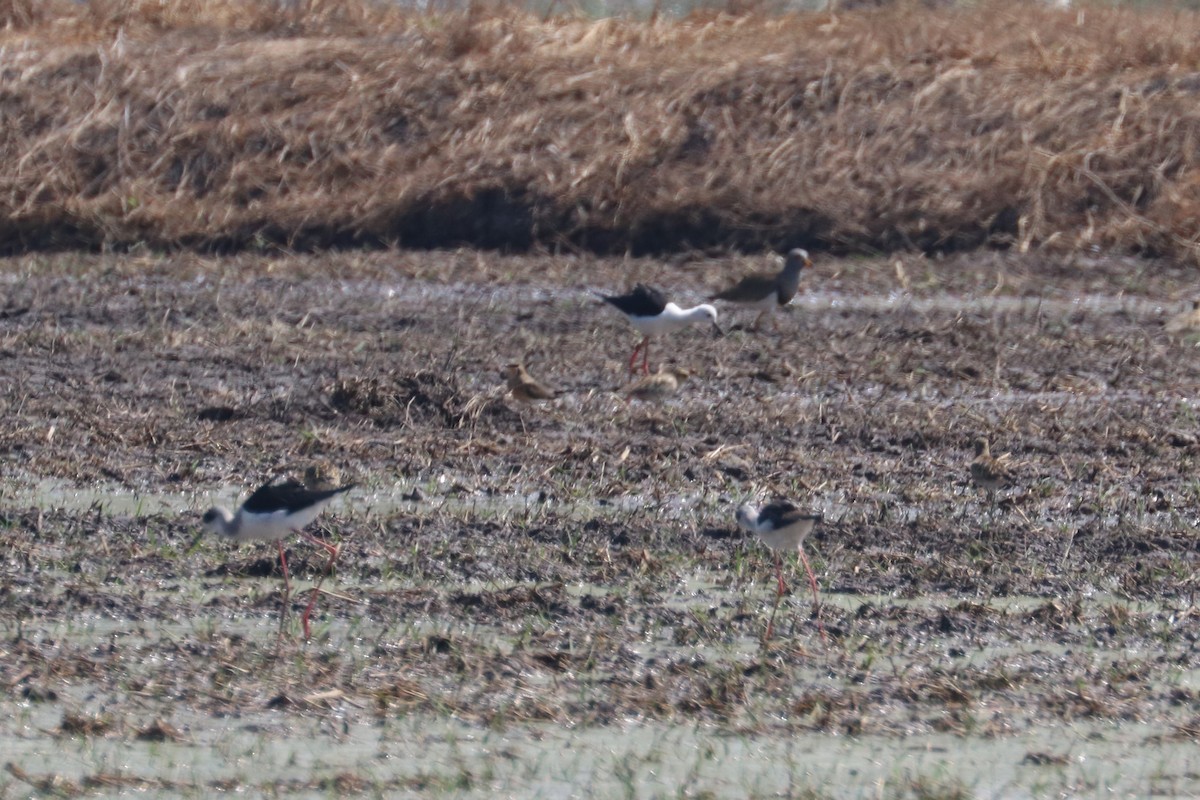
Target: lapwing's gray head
{"points": [[799, 255]]}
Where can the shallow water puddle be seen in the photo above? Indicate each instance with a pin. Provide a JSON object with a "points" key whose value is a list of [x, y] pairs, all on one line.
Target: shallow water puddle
{"points": [[115, 500], [293, 752], [297, 756], [420, 293]]}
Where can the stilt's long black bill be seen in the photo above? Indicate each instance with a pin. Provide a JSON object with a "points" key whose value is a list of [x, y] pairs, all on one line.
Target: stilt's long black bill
{"points": [[194, 543]]}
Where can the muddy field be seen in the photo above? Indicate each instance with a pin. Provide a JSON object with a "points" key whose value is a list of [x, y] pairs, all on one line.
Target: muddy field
{"points": [[531, 599]]}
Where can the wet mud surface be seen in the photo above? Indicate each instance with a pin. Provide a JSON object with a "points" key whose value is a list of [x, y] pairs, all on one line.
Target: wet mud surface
{"points": [[572, 569]]}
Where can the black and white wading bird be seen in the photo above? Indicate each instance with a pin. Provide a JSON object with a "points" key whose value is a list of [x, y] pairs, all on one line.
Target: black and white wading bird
{"points": [[783, 528], [651, 314], [273, 512]]}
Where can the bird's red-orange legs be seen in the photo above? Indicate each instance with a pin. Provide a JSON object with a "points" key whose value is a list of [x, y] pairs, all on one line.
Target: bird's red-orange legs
{"points": [[782, 587], [812, 581], [643, 347], [287, 587], [312, 602]]}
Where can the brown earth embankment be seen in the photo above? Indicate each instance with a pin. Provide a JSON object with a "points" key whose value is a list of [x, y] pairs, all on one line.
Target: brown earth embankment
{"points": [[220, 125]]}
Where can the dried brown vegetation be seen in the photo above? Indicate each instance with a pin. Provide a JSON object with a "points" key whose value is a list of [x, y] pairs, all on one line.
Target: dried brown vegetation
{"points": [[218, 123]]}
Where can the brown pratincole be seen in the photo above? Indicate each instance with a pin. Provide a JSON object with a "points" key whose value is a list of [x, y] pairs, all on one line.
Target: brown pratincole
{"points": [[766, 291], [659, 386], [273, 512], [783, 528], [1185, 321], [319, 477], [522, 386], [987, 472], [651, 314]]}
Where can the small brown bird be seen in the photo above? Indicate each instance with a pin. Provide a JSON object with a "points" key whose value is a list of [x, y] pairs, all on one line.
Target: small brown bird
{"points": [[987, 472], [1185, 321], [659, 386], [523, 387], [320, 477], [765, 291]]}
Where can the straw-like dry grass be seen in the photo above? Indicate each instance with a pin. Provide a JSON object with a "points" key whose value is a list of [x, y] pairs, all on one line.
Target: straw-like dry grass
{"points": [[218, 123]]}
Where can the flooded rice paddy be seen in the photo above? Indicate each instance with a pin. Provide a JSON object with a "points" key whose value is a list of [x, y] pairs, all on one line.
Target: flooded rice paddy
{"points": [[553, 600]]}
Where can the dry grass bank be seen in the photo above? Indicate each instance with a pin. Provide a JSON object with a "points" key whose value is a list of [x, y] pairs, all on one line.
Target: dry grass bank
{"points": [[216, 123]]}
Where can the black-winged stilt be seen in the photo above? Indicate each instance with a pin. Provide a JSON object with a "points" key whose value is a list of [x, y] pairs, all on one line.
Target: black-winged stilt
{"points": [[783, 528], [651, 314], [270, 514]]}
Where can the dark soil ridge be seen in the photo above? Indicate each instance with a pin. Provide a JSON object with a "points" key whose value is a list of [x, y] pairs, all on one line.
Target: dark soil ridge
{"points": [[900, 128]]}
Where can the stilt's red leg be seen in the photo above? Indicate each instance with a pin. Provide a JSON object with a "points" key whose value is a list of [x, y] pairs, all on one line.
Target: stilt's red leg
{"points": [[333, 551], [312, 603], [771, 621], [287, 587], [778, 597], [812, 581], [634, 354], [646, 358]]}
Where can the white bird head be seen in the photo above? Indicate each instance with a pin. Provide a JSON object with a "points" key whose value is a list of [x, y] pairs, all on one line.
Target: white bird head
{"points": [[799, 255], [216, 520], [747, 517], [706, 310]]}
